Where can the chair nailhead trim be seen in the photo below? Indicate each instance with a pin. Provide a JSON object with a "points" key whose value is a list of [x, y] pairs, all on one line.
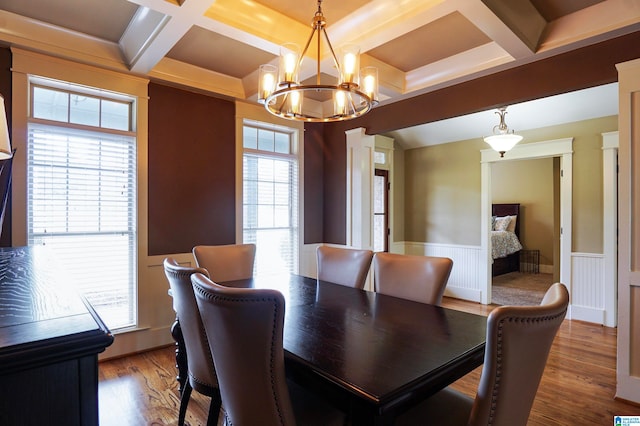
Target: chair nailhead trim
{"points": [[499, 361]]}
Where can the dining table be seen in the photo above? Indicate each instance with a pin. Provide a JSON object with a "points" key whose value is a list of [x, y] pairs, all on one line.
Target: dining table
{"points": [[372, 355]]}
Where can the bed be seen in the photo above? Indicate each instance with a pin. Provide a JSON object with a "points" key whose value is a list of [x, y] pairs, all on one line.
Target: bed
{"points": [[505, 238]]}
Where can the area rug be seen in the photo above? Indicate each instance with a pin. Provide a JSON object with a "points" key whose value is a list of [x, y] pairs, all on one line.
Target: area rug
{"points": [[516, 288]]}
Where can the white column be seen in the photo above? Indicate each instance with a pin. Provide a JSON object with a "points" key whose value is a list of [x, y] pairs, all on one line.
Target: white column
{"points": [[360, 171]]}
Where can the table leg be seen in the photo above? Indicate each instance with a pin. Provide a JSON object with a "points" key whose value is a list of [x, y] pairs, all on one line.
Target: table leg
{"points": [[181, 355]]}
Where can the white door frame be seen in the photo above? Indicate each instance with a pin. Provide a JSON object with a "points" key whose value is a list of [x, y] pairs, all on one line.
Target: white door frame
{"points": [[562, 148]]}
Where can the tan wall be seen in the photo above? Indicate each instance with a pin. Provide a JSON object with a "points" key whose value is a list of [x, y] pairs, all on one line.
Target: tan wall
{"points": [[398, 194], [442, 186], [442, 193], [530, 183]]}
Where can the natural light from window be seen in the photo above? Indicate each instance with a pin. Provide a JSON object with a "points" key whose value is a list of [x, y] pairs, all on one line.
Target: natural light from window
{"points": [[270, 198]]}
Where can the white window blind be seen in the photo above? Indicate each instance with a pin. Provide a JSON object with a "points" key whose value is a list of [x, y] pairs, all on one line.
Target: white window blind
{"points": [[82, 204], [270, 199]]}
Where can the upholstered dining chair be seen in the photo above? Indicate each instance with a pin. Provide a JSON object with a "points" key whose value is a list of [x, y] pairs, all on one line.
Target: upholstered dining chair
{"points": [[245, 331], [345, 266], [226, 262], [201, 372], [419, 278], [519, 339]]}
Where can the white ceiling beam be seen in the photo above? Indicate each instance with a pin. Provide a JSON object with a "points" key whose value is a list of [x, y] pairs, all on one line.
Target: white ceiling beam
{"points": [[381, 21], [457, 66], [599, 22], [158, 34], [39, 36], [516, 34]]}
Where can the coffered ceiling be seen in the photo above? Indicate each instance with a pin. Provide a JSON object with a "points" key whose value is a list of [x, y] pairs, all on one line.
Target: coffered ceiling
{"points": [[217, 45]]}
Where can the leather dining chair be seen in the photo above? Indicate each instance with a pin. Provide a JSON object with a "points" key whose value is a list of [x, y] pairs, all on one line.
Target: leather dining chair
{"points": [[245, 330], [345, 266], [419, 278], [201, 372], [226, 262], [519, 339]]}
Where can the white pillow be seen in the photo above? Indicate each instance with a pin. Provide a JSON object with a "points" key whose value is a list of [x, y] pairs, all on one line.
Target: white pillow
{"points": [[512, 223], [502, 223]]}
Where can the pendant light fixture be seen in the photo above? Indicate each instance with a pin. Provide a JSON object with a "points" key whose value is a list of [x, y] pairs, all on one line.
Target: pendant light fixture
{"points": [[283, 95], [502, 139]]}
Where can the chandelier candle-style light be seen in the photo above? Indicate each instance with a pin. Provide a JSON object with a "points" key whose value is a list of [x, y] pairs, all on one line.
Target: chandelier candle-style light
{"points": [[282, 94], [502, 139]]}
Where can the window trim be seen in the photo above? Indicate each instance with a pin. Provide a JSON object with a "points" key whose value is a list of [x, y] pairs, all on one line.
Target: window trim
{"points": [[28, 64], [291, 156]]}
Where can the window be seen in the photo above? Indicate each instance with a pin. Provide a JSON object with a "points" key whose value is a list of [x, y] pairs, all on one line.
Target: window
{"points": [[270, 197], [81, 186]]}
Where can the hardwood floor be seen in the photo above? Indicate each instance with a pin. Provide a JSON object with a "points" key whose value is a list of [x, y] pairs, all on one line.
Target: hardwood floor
{"points": [[578, 386]]}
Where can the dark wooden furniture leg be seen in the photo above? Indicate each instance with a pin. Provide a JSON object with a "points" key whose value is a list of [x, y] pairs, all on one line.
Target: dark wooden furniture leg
{"points": [[181, 355]]}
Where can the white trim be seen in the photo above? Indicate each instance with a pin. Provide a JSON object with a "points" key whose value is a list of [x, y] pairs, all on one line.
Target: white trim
{"points": [[610, 144], [562, 148], [26, 64], [545, 149], [628, 385], [360, 171], [251, 115]]}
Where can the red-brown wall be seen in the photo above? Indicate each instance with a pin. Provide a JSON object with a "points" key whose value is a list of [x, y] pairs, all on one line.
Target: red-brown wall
{"points": [[191, 170], [5, 90], [313, 182]]}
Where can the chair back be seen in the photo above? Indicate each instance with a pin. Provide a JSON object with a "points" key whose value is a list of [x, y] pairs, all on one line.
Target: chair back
{"points": [[519, 339], [199, 360], [245, 330], [348, 267], [419, 278], [226, 262]]}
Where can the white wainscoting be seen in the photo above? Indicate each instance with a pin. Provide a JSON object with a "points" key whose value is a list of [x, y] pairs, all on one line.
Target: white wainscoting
{"points": [[588, 287], [464, 282]]}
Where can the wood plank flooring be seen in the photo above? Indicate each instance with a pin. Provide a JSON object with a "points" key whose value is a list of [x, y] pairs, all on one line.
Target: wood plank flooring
{"points": [[578, 386]]}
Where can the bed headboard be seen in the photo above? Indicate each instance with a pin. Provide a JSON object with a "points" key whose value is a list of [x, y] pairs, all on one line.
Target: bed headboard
{"points": [[507, 210]]}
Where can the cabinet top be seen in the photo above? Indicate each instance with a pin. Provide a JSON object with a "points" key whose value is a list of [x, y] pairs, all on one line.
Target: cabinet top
{"points": [[41, 315]]}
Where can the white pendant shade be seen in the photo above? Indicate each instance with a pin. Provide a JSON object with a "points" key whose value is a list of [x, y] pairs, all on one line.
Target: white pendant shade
{"points": [[503, 143]]}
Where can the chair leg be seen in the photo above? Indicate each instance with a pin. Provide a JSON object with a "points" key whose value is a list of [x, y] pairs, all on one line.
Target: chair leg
{"points": [[214, 409], [184, 401]]}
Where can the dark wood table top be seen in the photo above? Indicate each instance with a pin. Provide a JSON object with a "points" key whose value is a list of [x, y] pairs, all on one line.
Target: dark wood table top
{"points": [[382, 352], [42, 319]]}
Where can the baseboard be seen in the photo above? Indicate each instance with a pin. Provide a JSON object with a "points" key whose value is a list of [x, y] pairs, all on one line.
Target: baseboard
{"points": [[546, 269]]}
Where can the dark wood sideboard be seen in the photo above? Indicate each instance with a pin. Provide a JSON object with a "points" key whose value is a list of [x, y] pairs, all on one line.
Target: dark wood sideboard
{"points": [[50, 338]]}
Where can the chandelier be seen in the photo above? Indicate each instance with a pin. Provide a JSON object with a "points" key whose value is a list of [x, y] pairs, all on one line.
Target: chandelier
{"points": [[502, 139], [283, 95]]}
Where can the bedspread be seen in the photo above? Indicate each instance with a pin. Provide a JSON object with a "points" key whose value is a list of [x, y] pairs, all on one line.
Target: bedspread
{"points": [[503, 243]]}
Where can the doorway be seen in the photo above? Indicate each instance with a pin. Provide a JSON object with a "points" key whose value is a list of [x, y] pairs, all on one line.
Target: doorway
{"points": [[561, 148], [523, 277]]}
